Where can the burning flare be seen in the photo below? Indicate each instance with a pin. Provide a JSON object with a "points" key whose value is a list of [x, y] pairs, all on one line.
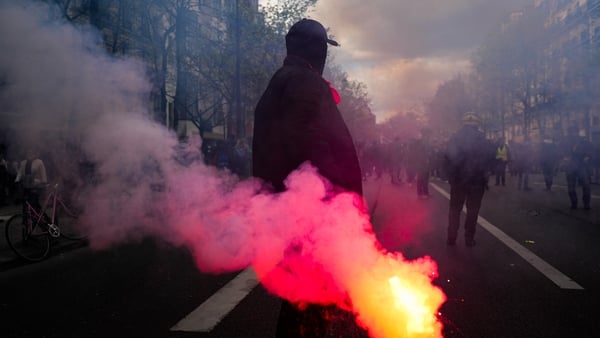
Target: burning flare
{"points": [[337, 259]]}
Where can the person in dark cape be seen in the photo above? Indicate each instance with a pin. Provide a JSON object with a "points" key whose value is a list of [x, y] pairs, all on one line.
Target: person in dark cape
{"points": [[296, 121]]}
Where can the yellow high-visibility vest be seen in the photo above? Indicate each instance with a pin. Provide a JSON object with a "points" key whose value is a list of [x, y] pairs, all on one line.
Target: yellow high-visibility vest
{"points": [[502, 153]]}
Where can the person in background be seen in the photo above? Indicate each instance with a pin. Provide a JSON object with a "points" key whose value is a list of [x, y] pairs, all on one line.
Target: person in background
{"points": [[523, 163], [224, 154], [4, 177], [437, 160], [511, 163], [468, 159], [549, 158], [577, 158], [411, 161], [31, 175], [596, 163], [297, 120], [422, 149], [502, 158], [377, 159], [395, 154], [241, 158]]}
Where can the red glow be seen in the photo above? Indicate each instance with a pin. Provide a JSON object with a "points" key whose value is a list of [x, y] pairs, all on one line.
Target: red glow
{"points": [[305, 246], [334, 93], [402, 219], [338, 260]]}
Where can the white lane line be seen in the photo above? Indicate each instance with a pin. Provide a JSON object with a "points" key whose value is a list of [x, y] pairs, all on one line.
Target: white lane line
{"points": [[206, 316], [542, 266], [565, 188]]}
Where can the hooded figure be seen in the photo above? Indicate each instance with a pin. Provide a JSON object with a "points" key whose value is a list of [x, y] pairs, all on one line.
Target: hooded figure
{"points": [[297, 121]]}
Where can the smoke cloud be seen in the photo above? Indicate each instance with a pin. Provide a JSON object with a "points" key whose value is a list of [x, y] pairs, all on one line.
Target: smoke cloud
{"points": [[402, 50], [306, 245]]}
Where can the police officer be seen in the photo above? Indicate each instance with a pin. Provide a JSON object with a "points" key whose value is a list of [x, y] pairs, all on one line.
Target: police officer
{"points": [[468, 159], [502, 158], [549, 157], [577, 159]]}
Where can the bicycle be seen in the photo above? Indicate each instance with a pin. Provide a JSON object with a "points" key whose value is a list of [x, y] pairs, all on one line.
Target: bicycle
{"points": [[31, 237]]}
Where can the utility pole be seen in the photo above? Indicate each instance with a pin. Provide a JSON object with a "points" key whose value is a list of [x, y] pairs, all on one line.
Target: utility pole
{"points": [[181, 91], [94, 13], [240, 118]]}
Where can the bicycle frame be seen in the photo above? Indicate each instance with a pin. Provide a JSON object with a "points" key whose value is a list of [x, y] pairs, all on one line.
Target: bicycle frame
{"points": [[30, 233], [53, 229]]}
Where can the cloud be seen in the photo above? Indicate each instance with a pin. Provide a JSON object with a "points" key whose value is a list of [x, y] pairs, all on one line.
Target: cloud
{"points": [[404, 84], [409, 45]]}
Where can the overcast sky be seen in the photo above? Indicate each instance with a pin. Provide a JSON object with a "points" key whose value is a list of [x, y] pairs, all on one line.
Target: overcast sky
{"points": [[402, 49]]}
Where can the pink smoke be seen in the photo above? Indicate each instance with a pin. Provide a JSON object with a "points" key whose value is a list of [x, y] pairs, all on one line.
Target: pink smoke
{"points": [[306, 245]]}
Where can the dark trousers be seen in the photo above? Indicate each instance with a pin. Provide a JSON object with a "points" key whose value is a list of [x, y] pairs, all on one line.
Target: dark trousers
{"points": [[548, 172], [523, 180], [423, 182], [582, 176], [472, 195], [500, 173], [317, 321]]}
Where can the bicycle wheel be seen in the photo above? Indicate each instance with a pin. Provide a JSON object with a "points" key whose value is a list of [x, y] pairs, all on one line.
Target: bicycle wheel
{"points": [[68, 223], [30, 244]]}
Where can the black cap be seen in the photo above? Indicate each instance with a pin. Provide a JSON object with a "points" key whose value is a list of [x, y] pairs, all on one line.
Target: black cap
{"points": [[311, 29]]}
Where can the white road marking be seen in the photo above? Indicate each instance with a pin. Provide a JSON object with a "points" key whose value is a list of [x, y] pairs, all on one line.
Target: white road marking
{"points": [[206, 316], [542, 266]]}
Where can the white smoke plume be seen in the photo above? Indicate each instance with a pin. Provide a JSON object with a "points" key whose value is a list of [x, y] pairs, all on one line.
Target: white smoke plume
{"points": [[304, 244], [59, 81]]}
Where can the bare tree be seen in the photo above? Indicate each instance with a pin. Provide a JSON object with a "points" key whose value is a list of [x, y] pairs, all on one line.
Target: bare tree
{"points": [[451, 100]]}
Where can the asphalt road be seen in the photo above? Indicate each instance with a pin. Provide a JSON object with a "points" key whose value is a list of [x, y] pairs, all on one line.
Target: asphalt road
{"points": [[535, 272]]}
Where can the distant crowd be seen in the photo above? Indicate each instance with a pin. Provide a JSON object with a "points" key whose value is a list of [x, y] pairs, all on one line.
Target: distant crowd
{"points": [[403, 161], [413, 161], [17, 163]]}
